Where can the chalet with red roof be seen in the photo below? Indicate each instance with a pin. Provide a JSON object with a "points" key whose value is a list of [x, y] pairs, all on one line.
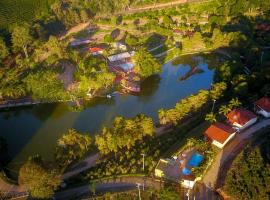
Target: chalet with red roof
{"points": [[96, 51], [262, 106], [219, 134], [241, 118]]}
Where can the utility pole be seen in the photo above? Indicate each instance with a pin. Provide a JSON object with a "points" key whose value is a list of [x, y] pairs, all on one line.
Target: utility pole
{"points": [[143, 160], [139, 190], [214, 101], [262, 56]]}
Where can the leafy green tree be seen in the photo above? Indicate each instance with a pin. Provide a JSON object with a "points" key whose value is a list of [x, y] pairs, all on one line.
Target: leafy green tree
{"points": [[163, 117], [124, 133], [53, 50], [145, 64], [50, 89], [21, 38], [40, 181], [218, 90], [167, 21], [234, 103], [71, 147], [248, 177], [168, 193], [211, 117], [3, 49], [131, 40], [224, 110], [108, 38]]}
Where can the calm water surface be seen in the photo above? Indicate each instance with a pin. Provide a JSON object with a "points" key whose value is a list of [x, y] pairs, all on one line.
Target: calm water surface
{"points": [[35, 129]]}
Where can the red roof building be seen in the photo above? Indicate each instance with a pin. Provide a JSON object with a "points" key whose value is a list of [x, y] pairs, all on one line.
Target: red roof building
{"points": [[241, 118], [96, 50], [263, 27], [262, 106], [219, 134]]}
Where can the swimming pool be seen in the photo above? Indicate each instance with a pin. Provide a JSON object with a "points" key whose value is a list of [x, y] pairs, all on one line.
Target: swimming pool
{"points": [[186, 171], [195, 160]]}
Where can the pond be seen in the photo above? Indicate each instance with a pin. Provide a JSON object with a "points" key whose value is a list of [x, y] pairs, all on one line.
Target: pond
{"points": [[35, 129]]}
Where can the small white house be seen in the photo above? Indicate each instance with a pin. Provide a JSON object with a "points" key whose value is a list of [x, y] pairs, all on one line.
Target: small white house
{"points": [[120, 46], [262, 106], [241, 118], [121, 56], [219, 134], [188, 181]]}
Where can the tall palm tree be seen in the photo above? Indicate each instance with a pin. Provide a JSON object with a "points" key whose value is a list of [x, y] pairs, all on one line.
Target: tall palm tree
{"points": [[163, 118], [224, 110], [234, 103], [211, 117]]}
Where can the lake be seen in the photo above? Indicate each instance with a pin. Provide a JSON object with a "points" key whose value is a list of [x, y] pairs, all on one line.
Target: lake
{"points": [[35, 129]]}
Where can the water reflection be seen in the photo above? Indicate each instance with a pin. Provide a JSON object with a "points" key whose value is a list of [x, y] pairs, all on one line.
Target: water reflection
{"points": [[32, 130]]}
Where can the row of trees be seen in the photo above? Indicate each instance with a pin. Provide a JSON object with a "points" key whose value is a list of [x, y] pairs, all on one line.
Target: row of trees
{"points": [[124, 133], [191, 104]]}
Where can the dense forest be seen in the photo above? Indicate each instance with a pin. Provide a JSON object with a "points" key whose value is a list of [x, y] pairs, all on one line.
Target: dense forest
{"points": [[248, 177]]}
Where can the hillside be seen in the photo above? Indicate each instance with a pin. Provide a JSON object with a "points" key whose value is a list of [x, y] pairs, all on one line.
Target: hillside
{"points": [[17, 11], [249, 175]]}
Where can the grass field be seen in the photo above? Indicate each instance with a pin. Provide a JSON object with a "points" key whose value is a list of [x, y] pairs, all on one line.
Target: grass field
{"points": [[17, 11]]}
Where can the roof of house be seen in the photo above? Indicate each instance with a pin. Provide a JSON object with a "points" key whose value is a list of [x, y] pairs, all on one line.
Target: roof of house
{"points": [[119, 56], [263, 103], [95, 49], [162, 164], [240, 116], [219, 132]]}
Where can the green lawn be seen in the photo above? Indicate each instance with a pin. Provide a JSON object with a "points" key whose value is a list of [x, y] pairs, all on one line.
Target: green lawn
{"points": [[197, 133]]}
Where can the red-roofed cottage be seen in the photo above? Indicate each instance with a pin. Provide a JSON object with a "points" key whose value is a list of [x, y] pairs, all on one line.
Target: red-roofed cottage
{"points": [[219, 134], [96, 50], [241, 118], [262, 106]]}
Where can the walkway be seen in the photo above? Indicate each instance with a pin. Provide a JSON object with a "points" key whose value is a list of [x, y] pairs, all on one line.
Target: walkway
{"points": [[216, 175], [111, 185], [89, 162]]}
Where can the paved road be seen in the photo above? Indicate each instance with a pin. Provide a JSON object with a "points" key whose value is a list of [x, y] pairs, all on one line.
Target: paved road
{"points": [[89, 162], [217, 173]]}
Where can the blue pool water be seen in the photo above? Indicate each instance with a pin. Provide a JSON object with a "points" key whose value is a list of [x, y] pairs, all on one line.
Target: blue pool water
{"points": [[195, 160], [186, 171]]}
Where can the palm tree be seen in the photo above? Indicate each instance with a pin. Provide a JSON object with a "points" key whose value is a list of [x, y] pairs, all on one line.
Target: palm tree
{"points": [[234, 103], [163, 118], [224, 110], [211, 117]]}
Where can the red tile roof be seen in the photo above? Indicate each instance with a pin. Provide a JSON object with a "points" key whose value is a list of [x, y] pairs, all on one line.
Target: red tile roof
{"points": [[240, 116], [263, 27], [263, 103], [95, 49], [219, 132]]}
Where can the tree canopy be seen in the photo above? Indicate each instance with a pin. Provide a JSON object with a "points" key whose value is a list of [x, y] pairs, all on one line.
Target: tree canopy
{"points": [[40, 181], [248, 177], [50, 89], [71, 147], [145, 64], [124, 133]]}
